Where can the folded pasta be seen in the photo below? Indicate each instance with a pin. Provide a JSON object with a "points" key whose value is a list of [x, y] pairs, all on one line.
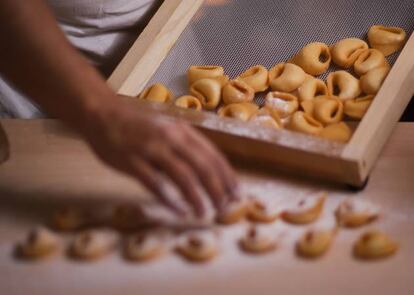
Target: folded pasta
{"points": [[256, 77], [369, 60], [286, 77], [208, 92], [314, 58], [343, 85], [346, 51], [284, 104], [386, 39], [188, 102], [356, 108], [237, 91], [157, 93], [242, 111]]}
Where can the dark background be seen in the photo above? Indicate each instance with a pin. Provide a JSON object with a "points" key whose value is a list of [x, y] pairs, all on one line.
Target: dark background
{"points": [[408, 115]]}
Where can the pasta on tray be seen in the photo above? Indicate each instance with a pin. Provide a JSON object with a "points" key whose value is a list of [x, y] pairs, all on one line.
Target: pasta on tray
{"points": [[296, 98]]}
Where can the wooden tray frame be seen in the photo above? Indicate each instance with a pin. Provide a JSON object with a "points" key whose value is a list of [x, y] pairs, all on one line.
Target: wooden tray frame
{"points": [[350, 164]]}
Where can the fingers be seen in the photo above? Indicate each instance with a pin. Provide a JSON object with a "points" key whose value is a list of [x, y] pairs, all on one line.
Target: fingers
{"points": [[181, 173], [206, 171], [152, 180], [223, 168]]}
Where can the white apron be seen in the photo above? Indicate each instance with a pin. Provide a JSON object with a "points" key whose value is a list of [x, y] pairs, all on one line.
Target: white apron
{"points": [[102, 29]]}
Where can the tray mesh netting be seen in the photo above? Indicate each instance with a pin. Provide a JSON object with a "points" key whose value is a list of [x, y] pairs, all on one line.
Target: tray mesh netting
{"points": [[238, 34]]}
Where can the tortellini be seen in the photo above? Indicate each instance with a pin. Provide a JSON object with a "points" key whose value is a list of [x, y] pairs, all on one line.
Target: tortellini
{"points": [[242, 111], [257, 241], [143, 247], [306, 210], [343, 85], [314, 58], [337, 132], [260, 212], [328, 110], [356, 108], [386, 39], [369, 60], [304, 123], [157, 93], [355, 212], [237, 91], [284, 104], [267, 117], [372, 81], [256, 77], [92, 245], [40, 243], [188, 102], [208, 92], [311, 89], [374, 245], [346, 51], [196, 73], [315, 243], [197, 247], [286, 77]]}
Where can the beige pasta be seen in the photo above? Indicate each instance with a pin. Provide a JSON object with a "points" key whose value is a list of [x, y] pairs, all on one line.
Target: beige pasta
{"points": [[357, 108], [346, 51], [196, 73], [372, 81], [143, 247], [256, 77], [157, 93], [374, 245], [286, 77], [354, 212], [388, 40], [242, 111], [208, 92], [368, 60], [267, 117], [306, 210], [328, 109], [314, 58], [315, 242], [92, 245], [260, 212], [312, 88], [237, 91], [308, 107], [343, 85], [302, 122], [188, 102], [337, 132], [40, 243], [284, 104], [256, 241], [233, 212], [197, 247]]}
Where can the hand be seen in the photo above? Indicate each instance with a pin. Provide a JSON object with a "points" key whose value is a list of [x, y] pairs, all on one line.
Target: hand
{"points": [[149, 147]]}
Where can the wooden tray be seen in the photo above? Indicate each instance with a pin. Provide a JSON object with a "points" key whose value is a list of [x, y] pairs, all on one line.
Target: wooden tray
{"points": [[350, 163]]}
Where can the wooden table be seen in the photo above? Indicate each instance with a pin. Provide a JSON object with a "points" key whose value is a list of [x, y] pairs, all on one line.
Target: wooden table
{"points": [[50, 166]]}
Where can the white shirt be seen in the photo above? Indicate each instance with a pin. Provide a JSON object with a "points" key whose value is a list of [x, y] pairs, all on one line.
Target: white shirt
{"points": [[102, 29]]}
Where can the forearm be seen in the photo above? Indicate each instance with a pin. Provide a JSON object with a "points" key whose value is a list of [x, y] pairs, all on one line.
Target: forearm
{"points": [[38, 59]]}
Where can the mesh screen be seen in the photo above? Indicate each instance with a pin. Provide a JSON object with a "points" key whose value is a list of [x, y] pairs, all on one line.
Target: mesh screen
{"points": [[237, 34]]}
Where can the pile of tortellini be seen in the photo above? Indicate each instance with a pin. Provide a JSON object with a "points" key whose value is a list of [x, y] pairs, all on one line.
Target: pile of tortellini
{"points": [[297, 100]]}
